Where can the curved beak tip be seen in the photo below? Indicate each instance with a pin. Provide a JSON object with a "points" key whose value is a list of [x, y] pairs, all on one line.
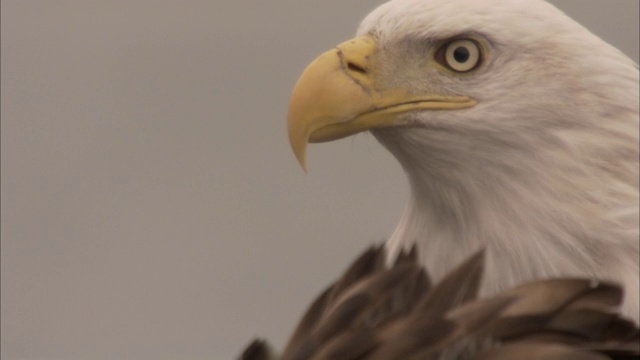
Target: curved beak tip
{"points": [[302, 160], [298, 140]]}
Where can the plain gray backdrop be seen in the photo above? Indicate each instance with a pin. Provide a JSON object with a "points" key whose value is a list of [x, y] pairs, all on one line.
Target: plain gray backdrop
{"points": [[151, 206]]}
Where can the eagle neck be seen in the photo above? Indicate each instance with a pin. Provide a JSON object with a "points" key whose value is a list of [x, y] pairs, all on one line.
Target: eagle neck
{"points": [[492, 194]]}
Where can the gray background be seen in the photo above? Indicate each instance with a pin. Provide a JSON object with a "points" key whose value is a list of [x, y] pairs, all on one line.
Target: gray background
{"points": [[151, 207]]}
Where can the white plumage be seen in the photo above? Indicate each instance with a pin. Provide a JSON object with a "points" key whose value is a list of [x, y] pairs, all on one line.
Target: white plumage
{"points": [[542, 171]]}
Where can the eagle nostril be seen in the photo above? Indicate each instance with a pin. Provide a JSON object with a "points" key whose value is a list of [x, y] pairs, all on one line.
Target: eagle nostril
{"points": [[356, 68]]}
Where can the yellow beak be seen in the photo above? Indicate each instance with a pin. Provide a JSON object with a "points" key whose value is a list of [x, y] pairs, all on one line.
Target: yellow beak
{"points": [[337, 96]]}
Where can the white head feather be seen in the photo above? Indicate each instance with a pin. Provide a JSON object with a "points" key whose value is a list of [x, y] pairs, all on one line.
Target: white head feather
{"points": [[543, 171]]}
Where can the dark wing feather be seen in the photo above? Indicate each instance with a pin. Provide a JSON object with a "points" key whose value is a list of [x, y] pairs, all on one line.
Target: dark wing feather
{"points": [[457, 288], [371, 261], [258, 349], [538, 351]]}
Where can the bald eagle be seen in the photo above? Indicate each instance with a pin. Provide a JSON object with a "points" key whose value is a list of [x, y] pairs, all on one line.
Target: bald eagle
{"points": [[516, 127]]}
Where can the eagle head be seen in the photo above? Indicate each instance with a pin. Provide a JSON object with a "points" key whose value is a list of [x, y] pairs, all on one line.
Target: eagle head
{"points": [[516, 126]]}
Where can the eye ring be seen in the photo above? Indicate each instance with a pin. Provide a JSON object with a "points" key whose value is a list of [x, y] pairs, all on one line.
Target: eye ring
{"points": [[462, 55]]}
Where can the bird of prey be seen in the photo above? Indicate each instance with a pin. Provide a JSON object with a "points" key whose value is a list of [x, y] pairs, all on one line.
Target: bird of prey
{"points": [[516, 127]]}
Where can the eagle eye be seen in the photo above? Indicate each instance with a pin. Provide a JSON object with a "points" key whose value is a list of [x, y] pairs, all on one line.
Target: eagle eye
{"points": [[460, 55]]}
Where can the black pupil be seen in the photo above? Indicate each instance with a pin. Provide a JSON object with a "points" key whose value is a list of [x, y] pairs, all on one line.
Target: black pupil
{"points": [[461, 54]]}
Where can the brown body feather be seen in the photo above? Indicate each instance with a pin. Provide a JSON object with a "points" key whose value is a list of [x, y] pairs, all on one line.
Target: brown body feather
{"points": [[377, 312]]}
